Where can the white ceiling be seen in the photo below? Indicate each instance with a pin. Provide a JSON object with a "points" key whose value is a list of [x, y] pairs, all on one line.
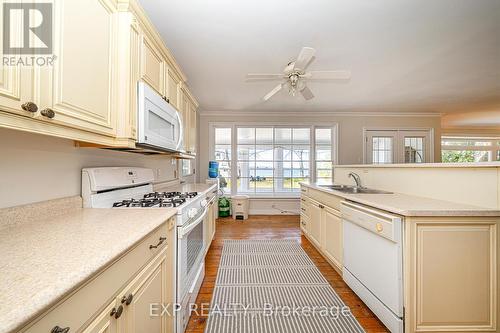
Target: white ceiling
{"points": [[416, 56]]}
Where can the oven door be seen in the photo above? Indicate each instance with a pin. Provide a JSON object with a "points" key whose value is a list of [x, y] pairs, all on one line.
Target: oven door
{"points": [[190, 251], [159, 125]]}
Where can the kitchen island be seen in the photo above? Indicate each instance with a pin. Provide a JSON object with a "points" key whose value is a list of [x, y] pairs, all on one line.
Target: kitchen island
{"points": [[448, 256]]}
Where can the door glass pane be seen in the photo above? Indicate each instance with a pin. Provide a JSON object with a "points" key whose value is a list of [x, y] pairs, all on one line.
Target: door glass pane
{"points": [[223, 136], [382, 150], [223, 156], [414, 150], [246, 136]]}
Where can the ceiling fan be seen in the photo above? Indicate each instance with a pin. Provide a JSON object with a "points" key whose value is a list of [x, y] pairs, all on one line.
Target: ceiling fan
{"points": [[294, 76]]}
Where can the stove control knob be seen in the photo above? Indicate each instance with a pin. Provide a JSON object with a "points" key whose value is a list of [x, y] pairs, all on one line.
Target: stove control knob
{"points": [[203, 203], [192, 212]]}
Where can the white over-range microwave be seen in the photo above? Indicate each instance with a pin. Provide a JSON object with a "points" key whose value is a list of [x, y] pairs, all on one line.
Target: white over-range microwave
{"points": [[159, 125]]}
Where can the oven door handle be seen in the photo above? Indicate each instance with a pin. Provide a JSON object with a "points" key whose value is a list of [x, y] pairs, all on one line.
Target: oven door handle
{"points": [[187, 229]]}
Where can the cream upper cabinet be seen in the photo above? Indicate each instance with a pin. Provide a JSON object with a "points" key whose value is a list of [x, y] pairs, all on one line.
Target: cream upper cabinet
{"points": [[314, 228], [192, 128], [152, 65], [331, 241], [79, 89], [173, 87]]}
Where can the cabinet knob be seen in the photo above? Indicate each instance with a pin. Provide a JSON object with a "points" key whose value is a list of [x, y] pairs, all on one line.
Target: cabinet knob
{"points": [[58, 329], [116, 312], [127, 299], [49, 113], [379, 227], [30, 107]]}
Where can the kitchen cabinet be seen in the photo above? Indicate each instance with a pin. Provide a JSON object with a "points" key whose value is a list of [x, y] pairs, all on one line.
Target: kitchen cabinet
{"points": [[104, 323], [321, 223], [315, 217], [152, 65], [210, 223], [331, 240], [89, 94], [189, 117], [79, 90], [142, 276], [173, 87], [147, 289]]}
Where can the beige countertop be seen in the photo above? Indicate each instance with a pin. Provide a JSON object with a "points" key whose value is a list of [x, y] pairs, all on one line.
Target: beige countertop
{"points": [[408, 205], [49, 249]]}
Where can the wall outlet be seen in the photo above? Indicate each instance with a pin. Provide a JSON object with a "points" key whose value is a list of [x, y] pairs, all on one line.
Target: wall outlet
{"points": [[158, 173]]}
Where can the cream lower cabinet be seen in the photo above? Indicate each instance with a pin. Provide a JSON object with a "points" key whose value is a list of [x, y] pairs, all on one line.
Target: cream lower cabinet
{"points": [[210, 224], [331, 240], [135, 294], [315, 217], [321, 223]]}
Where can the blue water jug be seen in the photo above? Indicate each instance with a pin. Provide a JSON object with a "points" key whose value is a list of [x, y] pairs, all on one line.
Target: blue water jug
{"points": [[213, 169]]}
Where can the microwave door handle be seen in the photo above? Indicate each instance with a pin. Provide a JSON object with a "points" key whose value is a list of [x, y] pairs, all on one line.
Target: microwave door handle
{"points": [[181, 132], [185, 230]]}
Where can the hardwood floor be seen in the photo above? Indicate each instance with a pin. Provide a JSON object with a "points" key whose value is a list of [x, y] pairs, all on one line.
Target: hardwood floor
{"points": [[274, 227]]}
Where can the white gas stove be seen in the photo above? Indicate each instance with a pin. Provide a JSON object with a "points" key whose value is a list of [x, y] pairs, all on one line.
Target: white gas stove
{"points": [[132, 188]]}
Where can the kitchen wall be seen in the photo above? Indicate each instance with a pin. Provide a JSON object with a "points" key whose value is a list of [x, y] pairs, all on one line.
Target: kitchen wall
{"points": [[36, 167], [350, 144]]}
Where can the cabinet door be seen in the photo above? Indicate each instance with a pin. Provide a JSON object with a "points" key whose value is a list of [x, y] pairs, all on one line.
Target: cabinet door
{"points": [[214, 219], [149, 288], [185, 120], [104, 323], [152, 66], [314, 225], [332, 236], [80, 86], [173, 81], [15, 81]]}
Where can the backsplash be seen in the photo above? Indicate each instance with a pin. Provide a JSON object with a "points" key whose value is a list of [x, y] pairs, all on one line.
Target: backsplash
{"points": [[36, 168]]}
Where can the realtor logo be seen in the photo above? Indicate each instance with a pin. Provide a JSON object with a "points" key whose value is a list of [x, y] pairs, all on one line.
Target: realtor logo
{"points": [[27, 28]]}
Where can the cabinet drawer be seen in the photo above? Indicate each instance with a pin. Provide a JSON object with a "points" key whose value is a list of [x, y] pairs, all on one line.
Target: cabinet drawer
{"points": [[78, 308], [304, 190], [326, 199], [304, 206]]}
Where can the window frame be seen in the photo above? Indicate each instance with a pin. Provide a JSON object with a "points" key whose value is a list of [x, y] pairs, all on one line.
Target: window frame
{"points": [[234, 154], [493, 149]]}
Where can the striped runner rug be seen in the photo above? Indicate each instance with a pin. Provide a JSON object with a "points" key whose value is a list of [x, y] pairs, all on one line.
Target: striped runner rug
{"points": [[272, 286]]}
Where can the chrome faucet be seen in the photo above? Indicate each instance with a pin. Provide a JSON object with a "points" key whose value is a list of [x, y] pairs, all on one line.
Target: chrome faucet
{"points": [[357, 179]]}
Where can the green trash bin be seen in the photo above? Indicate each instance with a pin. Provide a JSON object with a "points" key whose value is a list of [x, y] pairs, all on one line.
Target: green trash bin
{"points": [[224, 207]]}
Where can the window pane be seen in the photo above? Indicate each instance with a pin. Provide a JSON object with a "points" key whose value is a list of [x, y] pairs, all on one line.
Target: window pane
{"points": [[246, 152], [223, 136], [246, 135], [414, 150], [382, 150], [323, 136], [301, 136], [246, 169], [264, 153], [283, 184], [244, 185], [324, 153], [263, 185], [283, 135], [223, 152], [300, 153], [264, 136], [296, 183], [282, 152]]}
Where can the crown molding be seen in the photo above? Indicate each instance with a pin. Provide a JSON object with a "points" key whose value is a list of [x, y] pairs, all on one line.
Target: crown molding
{"points": [[239, 113]]}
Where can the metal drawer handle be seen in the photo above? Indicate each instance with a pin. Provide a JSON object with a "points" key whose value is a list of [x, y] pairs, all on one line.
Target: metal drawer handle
{"points": [[49, 113], [162, 239], [304, 200], [321, 206], [58, 329], [303, 209]]}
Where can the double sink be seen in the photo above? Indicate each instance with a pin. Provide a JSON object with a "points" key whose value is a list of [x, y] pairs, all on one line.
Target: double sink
{"points": [[354, 189]]}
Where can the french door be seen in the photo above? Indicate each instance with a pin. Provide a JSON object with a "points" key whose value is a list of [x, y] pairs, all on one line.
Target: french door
{"points": [[398, 146]]}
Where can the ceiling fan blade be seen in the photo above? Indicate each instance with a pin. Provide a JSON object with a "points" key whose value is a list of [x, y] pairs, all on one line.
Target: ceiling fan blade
{"points": [[307, 93], [304, 58], [251, 77], [327, 75], [273, 92]]}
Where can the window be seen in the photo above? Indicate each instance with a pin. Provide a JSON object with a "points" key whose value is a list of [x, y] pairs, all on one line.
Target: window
{"points": [[398, 146], [186, 168], [272, 160], [223, 156], [470, 149], [324, 155]]}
